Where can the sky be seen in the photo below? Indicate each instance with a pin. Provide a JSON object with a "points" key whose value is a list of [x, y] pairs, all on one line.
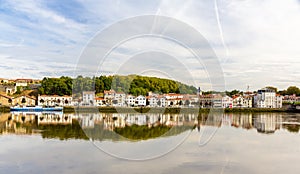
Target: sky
{"points": [[256, 42]]}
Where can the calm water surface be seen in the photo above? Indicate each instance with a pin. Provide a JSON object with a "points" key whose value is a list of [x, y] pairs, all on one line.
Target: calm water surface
{"points": [[101, 143]]}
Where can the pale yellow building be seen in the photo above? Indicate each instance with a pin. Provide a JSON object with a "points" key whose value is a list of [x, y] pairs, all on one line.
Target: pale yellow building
{"points": [[24, 100]]}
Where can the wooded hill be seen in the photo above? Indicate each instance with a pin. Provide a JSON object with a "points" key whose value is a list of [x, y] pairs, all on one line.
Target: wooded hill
{"points": [[131, 84]]}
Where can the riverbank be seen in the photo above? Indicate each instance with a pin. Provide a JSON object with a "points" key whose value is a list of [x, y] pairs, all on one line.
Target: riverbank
{"points": [[168, 110]]}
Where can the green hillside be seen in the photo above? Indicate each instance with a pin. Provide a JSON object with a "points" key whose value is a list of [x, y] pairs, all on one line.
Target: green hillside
{"points": [[131, 84]]}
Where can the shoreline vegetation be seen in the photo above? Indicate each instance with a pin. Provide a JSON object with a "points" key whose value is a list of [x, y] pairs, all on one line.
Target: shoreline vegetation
{"points": [[167, 110]]}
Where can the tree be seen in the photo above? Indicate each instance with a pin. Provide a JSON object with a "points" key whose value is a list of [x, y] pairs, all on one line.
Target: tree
{"points": [[272, 88], [18, 90], [233, 92], [293, 90]]}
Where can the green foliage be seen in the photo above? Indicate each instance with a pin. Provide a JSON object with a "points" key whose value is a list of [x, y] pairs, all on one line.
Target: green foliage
{"points": [[140, 85], [272, 88], [136, 132], [19, 90], [292, 128], [293, 90], [63, 132], [233, 92], [290, 91], [132, 84], [56, 86]]}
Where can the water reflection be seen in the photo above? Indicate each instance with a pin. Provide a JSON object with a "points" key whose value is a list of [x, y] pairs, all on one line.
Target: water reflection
{"points": [[101, 126]]}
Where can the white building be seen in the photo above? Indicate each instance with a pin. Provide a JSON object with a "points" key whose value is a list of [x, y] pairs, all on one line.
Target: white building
{"points": [[226, 102], [211, 100], [130, 100], [140, 101], [173, 99], [278, 101], [217, 101], [54, 100], [152, 101], [10, 89], [162, 101], [88, 98], [266, 98], [248, 101], [100, 101], [23, 82], [119, 99], [242, 101], [109, 96]]}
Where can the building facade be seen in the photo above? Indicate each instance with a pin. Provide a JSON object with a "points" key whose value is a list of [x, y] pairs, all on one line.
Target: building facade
{"points": [[55, 100], [266, 98], [88, 98]]}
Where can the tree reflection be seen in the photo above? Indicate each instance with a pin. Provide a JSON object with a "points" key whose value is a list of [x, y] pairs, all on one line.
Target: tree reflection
{"points": [[135, 127]]}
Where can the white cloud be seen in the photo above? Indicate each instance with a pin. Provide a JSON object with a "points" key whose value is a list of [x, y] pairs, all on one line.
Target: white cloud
{"points": [[261, 36]]}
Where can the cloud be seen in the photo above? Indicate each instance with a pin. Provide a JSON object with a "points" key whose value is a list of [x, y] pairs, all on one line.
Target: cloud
{"points": [[261, 36]]}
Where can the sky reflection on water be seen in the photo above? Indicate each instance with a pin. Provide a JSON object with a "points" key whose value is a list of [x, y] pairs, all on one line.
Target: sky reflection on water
{"points": [[237, 147]]}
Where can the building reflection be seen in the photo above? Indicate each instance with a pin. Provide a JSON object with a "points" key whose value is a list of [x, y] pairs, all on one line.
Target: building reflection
{"points": [[57, 122], [29, 122], [120, 120], [267, 123]]}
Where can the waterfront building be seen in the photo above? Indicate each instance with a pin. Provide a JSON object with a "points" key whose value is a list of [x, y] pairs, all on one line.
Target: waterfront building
{"points": [[227, 102], [152, 101], [173, 99], [290, 98], [192, 101], [8, 89], [140, 101], [3, 80], [23, 82], [248, 101], [5, 100], [210, 100], [217, 101], [240, 101], [88, 98], [266, 98], [100, 101], [119, 99], [55, 100], [109, 96], [278, 101], [205, 101], [24, 100], [130, 100], [162, 102]]}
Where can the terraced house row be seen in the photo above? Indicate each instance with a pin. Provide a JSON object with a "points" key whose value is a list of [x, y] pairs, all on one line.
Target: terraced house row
{"points": [[264, 98]]}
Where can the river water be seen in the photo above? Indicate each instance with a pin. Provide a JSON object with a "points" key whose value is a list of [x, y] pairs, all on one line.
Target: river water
{"points": [[149, 143]]}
